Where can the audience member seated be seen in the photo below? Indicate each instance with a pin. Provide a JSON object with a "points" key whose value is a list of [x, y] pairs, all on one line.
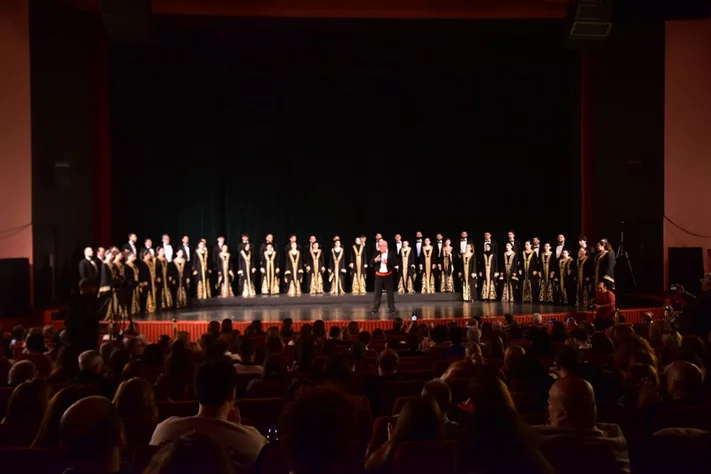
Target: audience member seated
{"points": [[412, 343], [388, 362], [215, 383], [319, 432], [21, 371], [35, 352], [580, 338], [456, 348], [191, 453], [474, 334], [305, 358], [364, 338], [286, 330], [274, 380], [48, 433], [419, 420], [640, 386], [24, 413], [397, 329], [513, 361], [495, 352], [567, 361], [574, 427], [67, 366], [92, 436], [440, 392], [601, 344], [512, 327], [91, 369], [247, 353], [134, 399], [473, 353], [334, 341]]}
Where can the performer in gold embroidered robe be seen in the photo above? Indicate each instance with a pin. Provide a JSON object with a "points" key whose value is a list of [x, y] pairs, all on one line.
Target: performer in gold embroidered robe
{"points": [[446, 268], [427, 267], [225, 273], [162, 283], [467, 274], [180, 279], [408, 270], [488, 274], [294, 273], [358, 266], [605, 264], [201, 272], [585, 276], [337, 267], [246, 272], [565, 277], [315, 269], [509, 275], [132, 280], [107, 288], [122, 295], [546, 267], [528, 273], [147, 277], [269, 266]]}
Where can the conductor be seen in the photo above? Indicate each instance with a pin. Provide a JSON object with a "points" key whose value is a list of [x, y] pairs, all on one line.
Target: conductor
{"points": [[385, 263]]}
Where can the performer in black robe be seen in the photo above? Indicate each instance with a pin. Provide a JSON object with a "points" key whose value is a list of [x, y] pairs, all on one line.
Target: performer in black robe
{"points": [[446, 267], [294, 270], [201, 272], [528, 273], [337, 268], [515, 244], [488, 274], [407, 270], [246, 272], [509, 274], [358, 266], [180, 279], [605, 264], [122, 292], [107, 287], [566, 279], [163, 296], [214, 267], [547, 267], [427, 266], [467, 274], [417, 253], [147, 279], [585, 278], [133, 282], [315, 269], [88, 268], [226, 275], [269, 267]]}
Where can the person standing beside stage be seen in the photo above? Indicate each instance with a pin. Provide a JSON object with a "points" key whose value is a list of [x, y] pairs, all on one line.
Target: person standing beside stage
{"points": [[385, 263], [604, 307], [605, 264]]}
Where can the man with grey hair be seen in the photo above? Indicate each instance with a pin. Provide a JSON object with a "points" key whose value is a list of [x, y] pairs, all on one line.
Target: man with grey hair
{"points": [[21, 372], [90, 361], [537, 319], [474, 334], [91, 368], [385, 264]]}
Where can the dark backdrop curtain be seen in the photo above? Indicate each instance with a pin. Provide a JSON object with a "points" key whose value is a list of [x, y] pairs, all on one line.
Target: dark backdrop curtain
{"points": [[342, 127]]}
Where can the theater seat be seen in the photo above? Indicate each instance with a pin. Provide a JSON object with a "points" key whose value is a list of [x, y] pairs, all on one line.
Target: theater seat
{"points": [[380, 432], [263, 412], [425, 457], [31, 460], [142, 457], [400, 404], [138, 432]]}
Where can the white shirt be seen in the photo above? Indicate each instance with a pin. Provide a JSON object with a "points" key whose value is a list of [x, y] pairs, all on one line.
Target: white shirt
{"points": [[463, 246], [536, 249], [383, 263], [399, 246], [133, 247], [186, 251], [152, 251], [558, 250], [418, 246], [168, 252], [439, 248]]}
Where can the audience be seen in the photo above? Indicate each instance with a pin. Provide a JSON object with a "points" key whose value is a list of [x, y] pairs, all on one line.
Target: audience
{"points": [[20, 372], [191, 453]]}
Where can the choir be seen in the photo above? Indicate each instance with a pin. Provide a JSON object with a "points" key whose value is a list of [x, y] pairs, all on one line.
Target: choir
{"points": [[145, 280]]}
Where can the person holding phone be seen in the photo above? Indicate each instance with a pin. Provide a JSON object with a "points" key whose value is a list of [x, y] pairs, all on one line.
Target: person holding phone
{"points": [[385, 263]]}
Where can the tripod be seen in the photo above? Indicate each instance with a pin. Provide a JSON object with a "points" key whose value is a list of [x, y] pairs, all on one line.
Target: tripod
{"points": [[622, 252]]}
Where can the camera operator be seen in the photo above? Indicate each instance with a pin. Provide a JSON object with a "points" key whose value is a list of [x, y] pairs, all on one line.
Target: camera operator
{"points": [[604, 307], [82, 319], [697, 314]]}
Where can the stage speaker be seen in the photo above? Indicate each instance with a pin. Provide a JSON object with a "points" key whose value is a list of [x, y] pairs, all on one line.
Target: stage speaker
{"points": [[686, 266], [127, 22], [14, 287]]}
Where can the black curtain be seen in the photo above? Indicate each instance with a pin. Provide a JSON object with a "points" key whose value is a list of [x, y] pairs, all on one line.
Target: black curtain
{"points": [[340, 127]]}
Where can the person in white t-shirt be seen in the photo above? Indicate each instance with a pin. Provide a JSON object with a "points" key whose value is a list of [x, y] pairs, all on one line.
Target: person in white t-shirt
{"points": [[215, 383]]}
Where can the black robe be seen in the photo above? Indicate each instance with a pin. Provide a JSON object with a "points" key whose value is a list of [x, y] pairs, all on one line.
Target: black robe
{"points": [[488, 274], [528, 272], [163, 294], [547, 265], [246, 273], [88, 270], [337, 271], [428, 258], [293, 273], [180, 279], [584, 281], [468, 276], [565, 276], [226, 275], [201, 272], [605, 268], [147, 279], [358, 264], [509, 277], [315, 268]]}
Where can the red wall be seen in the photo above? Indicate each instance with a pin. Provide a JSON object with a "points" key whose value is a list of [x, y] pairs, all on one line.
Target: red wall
{"points": [[687, 136], [15, 131]]}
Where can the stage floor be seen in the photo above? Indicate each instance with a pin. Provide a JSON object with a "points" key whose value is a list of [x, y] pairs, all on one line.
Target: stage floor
{"points": [[347, 308]]}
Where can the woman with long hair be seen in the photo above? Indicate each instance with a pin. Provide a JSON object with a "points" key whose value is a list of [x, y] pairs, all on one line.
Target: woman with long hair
{"points": [[605, 264]]}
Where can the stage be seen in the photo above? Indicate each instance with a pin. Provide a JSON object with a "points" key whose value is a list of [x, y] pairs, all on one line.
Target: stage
{"points": [[336, 310]]}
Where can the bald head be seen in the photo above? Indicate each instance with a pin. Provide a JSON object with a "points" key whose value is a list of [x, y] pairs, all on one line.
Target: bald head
{"points": [[684, 380], [91, 430], [90, 361], [571, 404]]}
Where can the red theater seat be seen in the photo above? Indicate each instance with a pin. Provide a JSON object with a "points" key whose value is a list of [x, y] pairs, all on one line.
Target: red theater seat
{"points": [[31, 460], [263, 412], [425, 457]]}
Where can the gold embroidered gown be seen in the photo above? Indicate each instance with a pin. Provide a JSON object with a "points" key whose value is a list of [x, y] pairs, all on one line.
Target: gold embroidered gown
{"points": [[163, 286], [566, 281], [337, 271], [107, 293], [314, 271], [201, 273], [510, 278], [246, 274], [180, 281], [294, 273], [148, 286], [546, 266], [468, 277], [270, 273], [529, 272], [446, 282], [488, 276], [358, 267], [226, 275], [426, 262], [605, 268], [585, 275], [407, 272], [132, 279]]}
